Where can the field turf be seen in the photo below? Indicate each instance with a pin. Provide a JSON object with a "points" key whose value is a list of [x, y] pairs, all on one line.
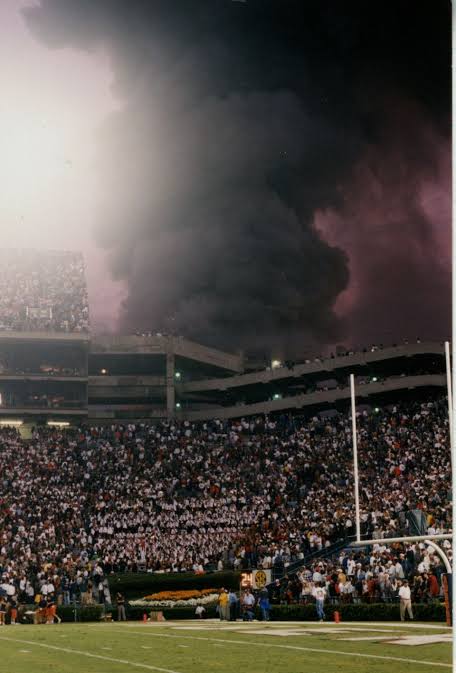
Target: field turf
{"points": [[214, 647]]}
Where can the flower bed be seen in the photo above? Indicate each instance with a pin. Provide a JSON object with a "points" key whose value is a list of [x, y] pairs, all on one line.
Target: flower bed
{"points": [[184, 598], [136, 585]]}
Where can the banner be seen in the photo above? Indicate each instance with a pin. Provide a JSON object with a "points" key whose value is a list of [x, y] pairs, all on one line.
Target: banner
{"points": [[256, 579]]}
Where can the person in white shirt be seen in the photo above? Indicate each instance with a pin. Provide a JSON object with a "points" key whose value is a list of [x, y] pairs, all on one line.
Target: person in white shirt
{"points": [[319, 593], [405, 596], [47, 588]]}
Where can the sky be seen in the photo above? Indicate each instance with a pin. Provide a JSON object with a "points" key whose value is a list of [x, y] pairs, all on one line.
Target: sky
{"points": [[52, 107], [262, 174]]}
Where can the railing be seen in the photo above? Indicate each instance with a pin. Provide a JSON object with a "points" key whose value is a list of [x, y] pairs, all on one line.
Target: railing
{"points": [[325, 552]]}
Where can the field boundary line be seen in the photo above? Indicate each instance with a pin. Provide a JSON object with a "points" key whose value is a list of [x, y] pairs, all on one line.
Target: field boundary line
{"points": [[68, 650], [292, 647]]}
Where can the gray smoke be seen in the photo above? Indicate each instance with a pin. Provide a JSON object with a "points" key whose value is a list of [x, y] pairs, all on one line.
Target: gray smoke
{"points": [[239, 121]]}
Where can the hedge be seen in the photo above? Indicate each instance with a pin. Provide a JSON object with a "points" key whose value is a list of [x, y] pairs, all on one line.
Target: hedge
{"points": [[375, 612], [363, 612], [89, 613], [137, 585], [378, 612]]}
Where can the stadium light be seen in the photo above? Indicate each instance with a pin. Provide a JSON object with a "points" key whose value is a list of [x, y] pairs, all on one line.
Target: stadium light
{"points": [[103, 371], [178, 405], [13, 422], [277, 396], [376, 410], [177, 375], [275, 364], [374, 379]]}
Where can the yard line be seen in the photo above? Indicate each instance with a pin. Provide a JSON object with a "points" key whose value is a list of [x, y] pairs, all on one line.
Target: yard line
{"points": [[149, 667], [293, 647]]}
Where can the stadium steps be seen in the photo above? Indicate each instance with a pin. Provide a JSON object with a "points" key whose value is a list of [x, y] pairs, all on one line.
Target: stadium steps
{"points": [[326, 552]]}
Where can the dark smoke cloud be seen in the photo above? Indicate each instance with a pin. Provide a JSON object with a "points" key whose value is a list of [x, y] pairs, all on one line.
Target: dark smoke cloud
{"points": [[394, 222], [240, 122]]}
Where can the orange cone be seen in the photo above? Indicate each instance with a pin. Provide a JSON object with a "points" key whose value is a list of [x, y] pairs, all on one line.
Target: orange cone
{"points": [[337, 617]]}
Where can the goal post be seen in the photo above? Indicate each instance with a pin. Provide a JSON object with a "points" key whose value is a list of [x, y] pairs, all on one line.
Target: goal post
{"points": [[355, 456]]}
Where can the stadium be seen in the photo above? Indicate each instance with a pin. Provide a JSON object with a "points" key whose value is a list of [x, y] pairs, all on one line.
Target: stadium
{"points": [[227, 351], [152, 478]]}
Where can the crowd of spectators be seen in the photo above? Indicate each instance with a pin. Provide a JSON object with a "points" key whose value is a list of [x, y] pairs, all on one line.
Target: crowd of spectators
{"points": [[76, 505], [43, 291], [371, 577]]}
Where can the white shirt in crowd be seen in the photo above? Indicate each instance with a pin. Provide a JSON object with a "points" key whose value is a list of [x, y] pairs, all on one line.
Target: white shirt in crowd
{"points": [[319, 593], [47, 588], [405, 593]]}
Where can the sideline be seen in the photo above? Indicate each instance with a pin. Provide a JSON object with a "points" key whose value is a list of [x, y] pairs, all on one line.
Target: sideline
{"points": [[293, 647], [149, 667]]}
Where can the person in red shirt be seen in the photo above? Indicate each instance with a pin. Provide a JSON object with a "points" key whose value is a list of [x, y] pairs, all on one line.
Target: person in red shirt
{"points": [[434, 589]]}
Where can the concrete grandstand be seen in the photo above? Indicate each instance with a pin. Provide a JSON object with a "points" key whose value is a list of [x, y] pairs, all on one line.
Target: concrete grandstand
{"points": [[53, 369]]}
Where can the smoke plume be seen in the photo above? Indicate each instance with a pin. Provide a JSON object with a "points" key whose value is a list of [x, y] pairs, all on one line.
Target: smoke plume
{"points": [[242, 127]]}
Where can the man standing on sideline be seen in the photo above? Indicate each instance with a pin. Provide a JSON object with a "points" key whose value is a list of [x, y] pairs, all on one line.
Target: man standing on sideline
{"points": [[319, 593], [120, 600], [406, 600], [248, 602], [233, 601], [264, 604], [224, 606]]}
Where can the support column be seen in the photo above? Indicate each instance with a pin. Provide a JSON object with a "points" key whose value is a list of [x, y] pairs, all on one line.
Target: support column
{"points": [[170, 393]]}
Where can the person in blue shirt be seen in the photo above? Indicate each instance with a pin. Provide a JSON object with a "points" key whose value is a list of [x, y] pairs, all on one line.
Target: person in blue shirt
{"points": [[233, 603], [264, 605]]}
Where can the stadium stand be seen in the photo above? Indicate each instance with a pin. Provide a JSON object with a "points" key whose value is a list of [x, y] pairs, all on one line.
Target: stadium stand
{"points": [[42, 291], [78, 504]]}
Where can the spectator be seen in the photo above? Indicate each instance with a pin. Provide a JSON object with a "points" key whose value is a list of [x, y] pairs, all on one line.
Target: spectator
{"points": [[405, 601], [319, 594], [120, 600], [43, 290], [183, 496], [224, 605], [264, 605]]}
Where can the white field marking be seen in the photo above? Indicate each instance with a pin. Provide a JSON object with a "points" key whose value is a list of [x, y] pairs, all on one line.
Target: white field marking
{"points": [[296, 647], [407, 640], [422, 640], [280, 632], [371, 638], [148, 667], [24, 651], [295, 632], [197, 627], [183, 646], [270, 630], [145, 647], [214, 624], [106, 648], [356, 629]]}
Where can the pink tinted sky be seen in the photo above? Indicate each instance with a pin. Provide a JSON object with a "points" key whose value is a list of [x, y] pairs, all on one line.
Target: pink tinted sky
{"points": [[52, 106]]}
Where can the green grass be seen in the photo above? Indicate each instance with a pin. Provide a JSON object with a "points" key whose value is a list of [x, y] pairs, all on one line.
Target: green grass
{"points": [[211, 647]]}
